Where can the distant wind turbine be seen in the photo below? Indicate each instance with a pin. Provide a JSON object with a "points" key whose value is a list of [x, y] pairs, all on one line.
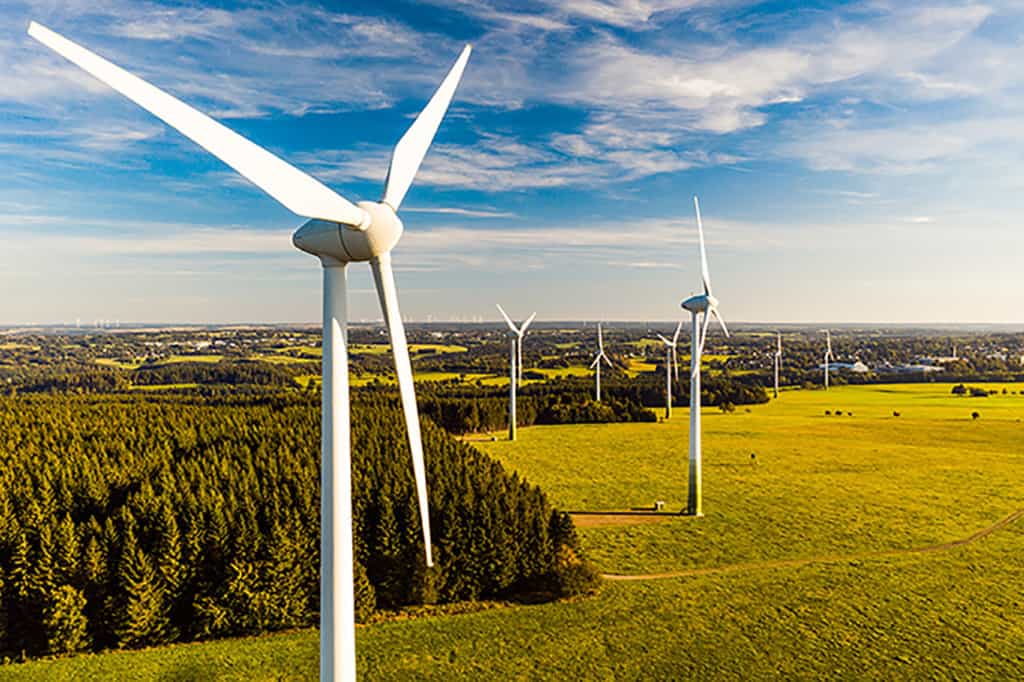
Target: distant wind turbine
{"points": [[701, 306], [670, 362], [338, 233], [596, 364], [828, 353], [777, 361], [515, 359]]}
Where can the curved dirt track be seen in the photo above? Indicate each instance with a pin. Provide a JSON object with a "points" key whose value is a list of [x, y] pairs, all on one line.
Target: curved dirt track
{"points": [[793, 563]]}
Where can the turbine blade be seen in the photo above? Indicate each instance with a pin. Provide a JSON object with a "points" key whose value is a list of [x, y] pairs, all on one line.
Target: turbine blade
{"points": [[508, 320], [606, 360], [675, 362], [294, 189], [679, 328], [664, 340], [413, 146], [704, 333], [704, 274], [527, 323], [596, 361], [600, 339], [721, 322], [778, 337], [386, 291]]}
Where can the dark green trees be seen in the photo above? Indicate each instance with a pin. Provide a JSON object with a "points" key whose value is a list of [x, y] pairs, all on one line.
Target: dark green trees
{"points": [[132, 521]]}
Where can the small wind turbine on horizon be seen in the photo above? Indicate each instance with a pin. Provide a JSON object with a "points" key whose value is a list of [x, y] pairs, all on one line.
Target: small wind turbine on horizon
{"points": [[515, 360], [700, 306], [828, 354], [777, 361], [671, 361], [338, 232], [596, 364]]}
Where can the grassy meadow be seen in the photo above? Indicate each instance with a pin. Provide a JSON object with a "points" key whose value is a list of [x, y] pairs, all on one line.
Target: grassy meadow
{"points": [[812, 536]]}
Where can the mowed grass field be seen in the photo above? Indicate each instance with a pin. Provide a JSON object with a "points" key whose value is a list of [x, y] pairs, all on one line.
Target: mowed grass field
{"points": [[818, 484], [813, 541]]}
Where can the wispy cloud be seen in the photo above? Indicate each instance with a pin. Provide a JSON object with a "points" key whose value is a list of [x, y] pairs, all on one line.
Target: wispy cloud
{"points": [[897, 146], [463, 212]]}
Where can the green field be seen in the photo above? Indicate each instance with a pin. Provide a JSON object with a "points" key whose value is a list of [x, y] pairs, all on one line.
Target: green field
{"points": [[14, 345], [173, 359], [832, 556], [118, 364], [169, 360], [637, 367]]}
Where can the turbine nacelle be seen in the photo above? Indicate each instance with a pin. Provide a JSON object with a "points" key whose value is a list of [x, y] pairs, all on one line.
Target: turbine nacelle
{"points": [[701, 303], [378, 233]]}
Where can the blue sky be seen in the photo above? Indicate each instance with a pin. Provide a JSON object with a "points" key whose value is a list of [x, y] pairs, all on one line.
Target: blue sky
{"points": [[855, 161]]}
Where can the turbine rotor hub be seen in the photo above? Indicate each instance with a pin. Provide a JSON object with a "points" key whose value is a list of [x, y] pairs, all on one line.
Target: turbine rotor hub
{"points": [[700, 303], [377, 234]]}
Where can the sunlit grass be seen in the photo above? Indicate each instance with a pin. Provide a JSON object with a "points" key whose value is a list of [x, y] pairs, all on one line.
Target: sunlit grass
{"points": [[816, 483]]}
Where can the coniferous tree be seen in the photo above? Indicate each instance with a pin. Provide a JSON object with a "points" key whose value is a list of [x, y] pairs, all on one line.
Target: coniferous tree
{"points": [[365, 597], [42, 576], [143, 618], [65, 621], [168, 557], [285, 580], [67, 553]]}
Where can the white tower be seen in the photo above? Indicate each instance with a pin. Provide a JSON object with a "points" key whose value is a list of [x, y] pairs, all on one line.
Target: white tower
{"points": [[701, 308]]}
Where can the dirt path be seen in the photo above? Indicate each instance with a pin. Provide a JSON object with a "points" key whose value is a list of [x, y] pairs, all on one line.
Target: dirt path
{"points": [[793, 563]]}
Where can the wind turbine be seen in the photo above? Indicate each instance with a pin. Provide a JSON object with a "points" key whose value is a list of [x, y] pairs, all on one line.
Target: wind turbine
{"points": [[670, 362], [700, 306], [828, 353], [520, 333], [515, 360], [596, 364], [338, 232], [777, 361]]}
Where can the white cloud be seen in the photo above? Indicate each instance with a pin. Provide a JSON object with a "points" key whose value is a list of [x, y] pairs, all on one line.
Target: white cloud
{"points": [[248, 62], [463, 212], [898, 147]]}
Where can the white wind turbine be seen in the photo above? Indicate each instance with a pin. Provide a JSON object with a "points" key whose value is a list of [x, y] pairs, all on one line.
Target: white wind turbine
{"points": [[670, 363], [702, 305], [338, 233], [777, 361], [596, 364], [515, 359], [828, 354]]}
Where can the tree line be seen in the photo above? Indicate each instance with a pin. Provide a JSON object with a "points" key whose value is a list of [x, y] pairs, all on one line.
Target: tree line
{"points": [[138, 520]]}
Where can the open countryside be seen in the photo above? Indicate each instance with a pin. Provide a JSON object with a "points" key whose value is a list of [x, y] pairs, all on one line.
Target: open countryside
{"points": [[868, 548], [563, 340]]}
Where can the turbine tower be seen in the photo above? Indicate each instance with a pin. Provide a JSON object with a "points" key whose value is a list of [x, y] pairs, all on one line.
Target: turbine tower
{"points": [[338, 232], [515, 361], [701, 306], [777, 361], [670, 362], [828, 353], [596, 364]]}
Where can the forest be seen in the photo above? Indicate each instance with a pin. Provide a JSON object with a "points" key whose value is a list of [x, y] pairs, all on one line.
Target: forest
{"points": [[131, 520]]}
